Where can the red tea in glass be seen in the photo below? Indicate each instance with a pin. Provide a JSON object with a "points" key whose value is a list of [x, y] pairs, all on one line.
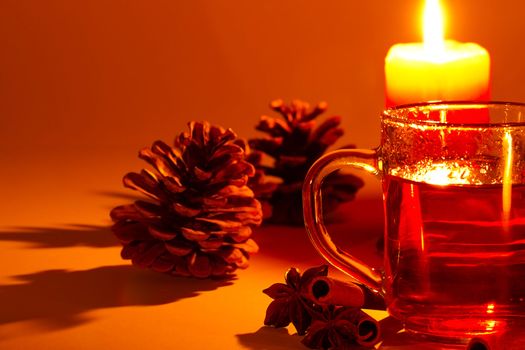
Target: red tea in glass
{"points": [[454, 199]]}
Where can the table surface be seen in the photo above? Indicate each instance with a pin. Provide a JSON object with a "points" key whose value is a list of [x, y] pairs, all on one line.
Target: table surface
{"points": [[63, 284]]}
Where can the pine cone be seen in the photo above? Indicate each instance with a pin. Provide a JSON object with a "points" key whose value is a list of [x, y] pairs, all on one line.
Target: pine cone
{"points": [[293, 145], [200, 213]]}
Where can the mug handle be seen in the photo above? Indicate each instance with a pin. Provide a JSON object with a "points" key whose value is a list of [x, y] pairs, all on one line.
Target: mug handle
{"points": [[367, 160]]}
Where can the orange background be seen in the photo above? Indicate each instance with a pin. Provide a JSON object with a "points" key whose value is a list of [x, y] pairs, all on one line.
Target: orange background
{"points": [[124, 73], [85, 84]]}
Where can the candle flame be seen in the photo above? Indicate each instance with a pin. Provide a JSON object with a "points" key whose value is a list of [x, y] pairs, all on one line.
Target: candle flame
{"points": [[433, 32]]}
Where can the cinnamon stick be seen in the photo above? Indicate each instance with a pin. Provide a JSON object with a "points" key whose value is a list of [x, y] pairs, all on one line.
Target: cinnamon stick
{"points": [[368, 330], [482, 343], [325, 290]]}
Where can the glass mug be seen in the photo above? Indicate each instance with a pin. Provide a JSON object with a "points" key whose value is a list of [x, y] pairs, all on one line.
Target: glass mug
{"points": [[453, 177]]}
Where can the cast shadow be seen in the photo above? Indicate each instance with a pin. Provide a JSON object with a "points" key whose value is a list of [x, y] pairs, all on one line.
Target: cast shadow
{"points": [[357, 230], [287, 243], [59, 299], [69, 236], [270, 338], [128, 195]]}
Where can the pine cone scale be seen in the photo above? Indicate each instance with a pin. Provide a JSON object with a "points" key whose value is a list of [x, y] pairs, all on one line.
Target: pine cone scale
{"points": [[147, 209], [125, 212], [248, 246], [223, 225], [199, 265], [185, 211], [180, 248], [194, 235], [143, 184], [129, 231], [163, 264], [163, 235], [148, 254], [173, 185], [159, 161]]}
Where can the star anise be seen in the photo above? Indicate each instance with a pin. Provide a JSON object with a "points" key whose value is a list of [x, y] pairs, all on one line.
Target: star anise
{"points": [[333, 328], [290, 303]]}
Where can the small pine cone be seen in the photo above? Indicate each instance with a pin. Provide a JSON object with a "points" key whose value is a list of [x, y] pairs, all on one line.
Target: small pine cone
{"points": [[293, 144], [200, 213]]}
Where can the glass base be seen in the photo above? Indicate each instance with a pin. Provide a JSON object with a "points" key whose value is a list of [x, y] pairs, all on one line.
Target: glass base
{"points": [[455, 324], [452, 329]]}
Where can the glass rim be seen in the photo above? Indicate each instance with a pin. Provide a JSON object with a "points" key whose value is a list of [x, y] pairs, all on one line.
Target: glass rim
{"points": [[392, 113]]}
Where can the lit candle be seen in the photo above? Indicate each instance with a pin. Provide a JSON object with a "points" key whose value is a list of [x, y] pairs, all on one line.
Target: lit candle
{"points": [[436, 69]]}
